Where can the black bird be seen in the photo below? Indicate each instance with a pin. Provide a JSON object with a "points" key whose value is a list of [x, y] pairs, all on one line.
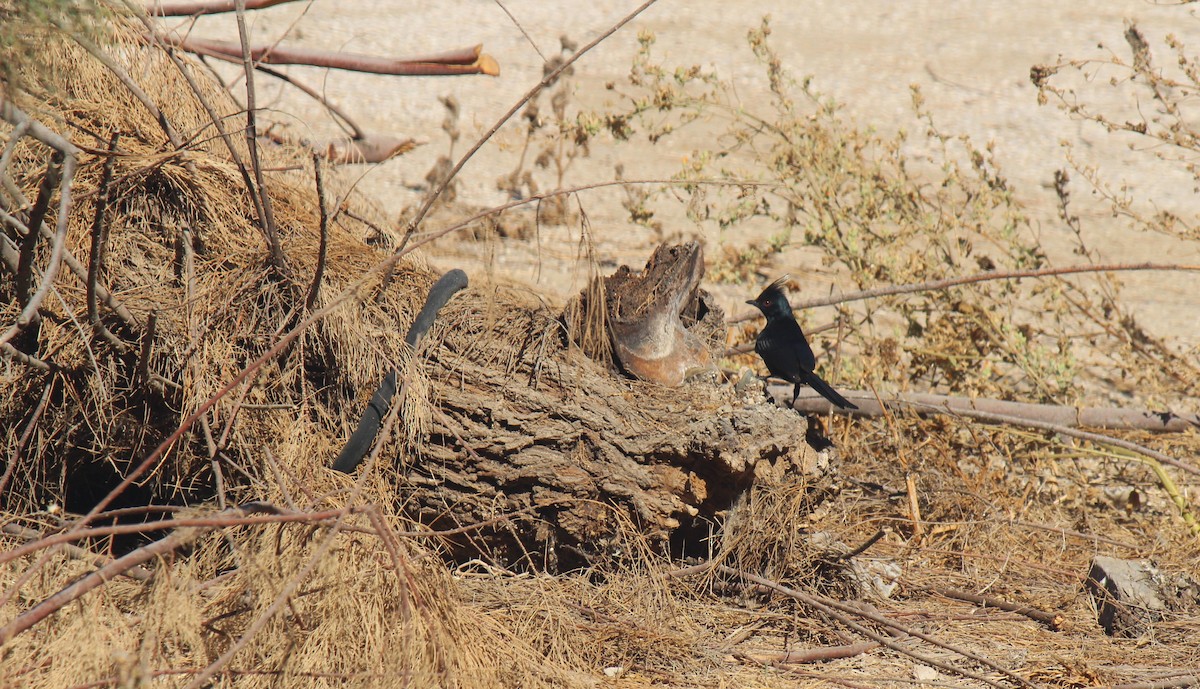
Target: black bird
{"points": [[784, 349]]}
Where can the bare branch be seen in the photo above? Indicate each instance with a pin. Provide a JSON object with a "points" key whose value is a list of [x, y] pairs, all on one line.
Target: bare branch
{"points": [[90, 581], [14, 116], [1097, 438], [28, 245], [1052, 620], [99, 241], [314, 289], [278, 260], [29, 360], [829, 606], [810, 655], [459, 62], [550, 78], [1058, 415], [934, 285], [97, 560], [16, 198], [194, 8], [15, 457]]}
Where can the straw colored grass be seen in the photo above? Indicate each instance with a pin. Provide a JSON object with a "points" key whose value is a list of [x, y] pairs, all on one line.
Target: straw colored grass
{"points": [[348, 602]]}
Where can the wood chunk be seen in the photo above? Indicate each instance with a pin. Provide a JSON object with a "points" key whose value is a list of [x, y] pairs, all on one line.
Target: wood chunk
{"points": [[662, 326], [1127, 595]]}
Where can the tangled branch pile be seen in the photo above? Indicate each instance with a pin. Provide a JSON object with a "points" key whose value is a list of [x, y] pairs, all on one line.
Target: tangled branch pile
{"points": [[186, 376]]}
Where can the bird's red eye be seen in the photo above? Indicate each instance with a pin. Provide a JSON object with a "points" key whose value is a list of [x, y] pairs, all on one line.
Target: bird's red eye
{"points": [[767, 302]]}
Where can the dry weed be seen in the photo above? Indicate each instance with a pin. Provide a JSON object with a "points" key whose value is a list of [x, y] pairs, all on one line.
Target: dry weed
{"points": [[343, 601]]}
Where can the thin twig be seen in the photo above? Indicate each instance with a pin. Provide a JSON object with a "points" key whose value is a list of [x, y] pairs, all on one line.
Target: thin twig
{"points": [[934, 285], [416, 220], [28, 245], [1060, 415], [528, 38], [15, 458], [314, 289], [829, 605], [147, 348], [90, 581], [1052, 620], [278, 259], [99, 241]]}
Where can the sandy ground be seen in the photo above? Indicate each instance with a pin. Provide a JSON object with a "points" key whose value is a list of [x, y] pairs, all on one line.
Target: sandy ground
{"points": [[971, 59]]}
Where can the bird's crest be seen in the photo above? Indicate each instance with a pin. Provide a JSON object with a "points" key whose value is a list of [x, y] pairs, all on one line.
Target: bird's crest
{"points": [[775, 287]]}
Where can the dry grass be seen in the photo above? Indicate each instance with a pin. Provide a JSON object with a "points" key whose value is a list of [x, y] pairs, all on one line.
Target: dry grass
{"points": [[344, 602]]}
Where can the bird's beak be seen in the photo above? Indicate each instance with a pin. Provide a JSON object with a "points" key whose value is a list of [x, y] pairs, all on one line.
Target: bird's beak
{"points": [[752, 302]]}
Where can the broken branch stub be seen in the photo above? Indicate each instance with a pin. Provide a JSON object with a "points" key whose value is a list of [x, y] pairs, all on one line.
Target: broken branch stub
{"points": [[663, 328]]}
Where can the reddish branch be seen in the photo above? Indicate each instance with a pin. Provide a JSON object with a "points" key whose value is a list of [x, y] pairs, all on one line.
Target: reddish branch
{"points": [[464, 61], [188, 8], [81, 586], [811, 655], [1051, 619], [23, 532]]}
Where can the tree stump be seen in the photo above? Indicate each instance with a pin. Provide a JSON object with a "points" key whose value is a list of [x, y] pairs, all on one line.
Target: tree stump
{"points": [[520, 419]]}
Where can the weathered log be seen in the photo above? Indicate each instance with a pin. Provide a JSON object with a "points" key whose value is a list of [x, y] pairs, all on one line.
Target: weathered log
{"points": [[593, 460]]}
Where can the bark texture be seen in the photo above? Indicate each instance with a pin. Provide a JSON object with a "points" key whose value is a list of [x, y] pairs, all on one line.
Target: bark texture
{"points": [[519, 418]]}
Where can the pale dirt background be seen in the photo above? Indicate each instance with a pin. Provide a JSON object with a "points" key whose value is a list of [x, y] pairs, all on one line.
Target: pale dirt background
{"points": [[971, 58]]}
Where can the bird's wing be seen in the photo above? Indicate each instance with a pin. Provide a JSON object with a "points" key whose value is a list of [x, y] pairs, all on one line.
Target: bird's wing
{"points": [[782, 344]]}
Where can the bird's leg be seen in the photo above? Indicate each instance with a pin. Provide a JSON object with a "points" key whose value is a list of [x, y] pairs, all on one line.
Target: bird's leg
{"points": [[795, 395], [766, 382]]}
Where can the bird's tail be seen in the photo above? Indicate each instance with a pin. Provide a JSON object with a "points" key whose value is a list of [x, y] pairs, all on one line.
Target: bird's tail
{"points": [[823, 388]]}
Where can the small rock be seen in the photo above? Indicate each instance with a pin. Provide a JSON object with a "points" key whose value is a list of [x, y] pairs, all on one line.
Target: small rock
{"points": [[924, 673]]}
